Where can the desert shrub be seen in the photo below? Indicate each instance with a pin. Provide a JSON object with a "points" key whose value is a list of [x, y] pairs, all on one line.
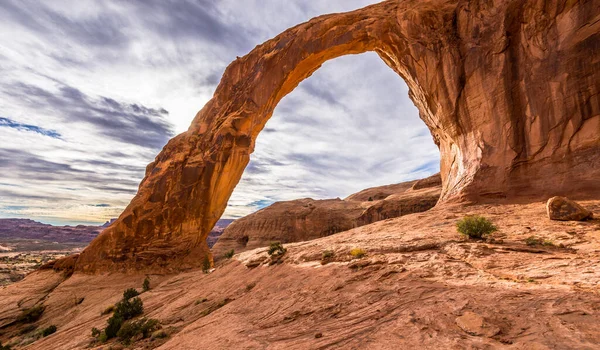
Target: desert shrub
{"points": [[475, 226], [276, 249], [31, 315], [49, 330], [160, 334], [4, 347], [328, 254], [125, 309], [357, 253], [533, 241], [108, 310], [206, 265], [146, 284], [130, 293], [370, 199], [230, 254], [200, 301], [28, 329], [96, 332], [141, 328]]}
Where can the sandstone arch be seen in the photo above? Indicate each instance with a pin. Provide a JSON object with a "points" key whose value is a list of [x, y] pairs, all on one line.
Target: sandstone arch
{"points": [[509, 89]]}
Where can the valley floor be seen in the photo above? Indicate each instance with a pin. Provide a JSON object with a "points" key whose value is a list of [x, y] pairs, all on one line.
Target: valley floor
{"points": [[420, 285]]}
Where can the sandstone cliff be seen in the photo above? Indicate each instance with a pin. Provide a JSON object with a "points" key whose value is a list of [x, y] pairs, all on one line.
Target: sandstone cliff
{"points": [[306, 219], [509, 90]]}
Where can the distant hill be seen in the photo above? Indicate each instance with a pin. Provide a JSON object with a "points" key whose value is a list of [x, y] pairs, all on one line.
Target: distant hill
{"points": [[217, 231]]}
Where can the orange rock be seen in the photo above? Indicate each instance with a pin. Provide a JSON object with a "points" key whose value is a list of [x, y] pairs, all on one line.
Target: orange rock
{"points": [[509, 91]]}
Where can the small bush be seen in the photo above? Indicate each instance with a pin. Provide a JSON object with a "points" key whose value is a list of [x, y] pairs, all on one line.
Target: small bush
{"points": [[146, 284], [370, 199], [31, 315], [125, 309], [48, 330], [108, 310], [28, 329], [112, 328], [200, 301], [141, 328], [358, 253], [328, 254], [130, 293], [206, 265], [229, 254], [475, 226], [533, 241], [276, 249], [4, 347], [160, 334], [96, 332]]}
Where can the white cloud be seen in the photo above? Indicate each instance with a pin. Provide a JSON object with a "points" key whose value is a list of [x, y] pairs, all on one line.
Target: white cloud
{"points": [[349, 126]]}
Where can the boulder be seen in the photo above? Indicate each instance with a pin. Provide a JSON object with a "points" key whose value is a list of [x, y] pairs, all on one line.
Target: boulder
{"points": [[564, 209]]}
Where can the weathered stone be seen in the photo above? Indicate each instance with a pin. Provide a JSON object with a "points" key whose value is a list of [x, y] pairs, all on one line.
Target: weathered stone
{"points": [[509, 90], [564, 209], [474, 324], [307, 219]]}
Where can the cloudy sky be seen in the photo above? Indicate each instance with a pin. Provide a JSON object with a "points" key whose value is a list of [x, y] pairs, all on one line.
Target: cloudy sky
{"points": [[90, 91]]}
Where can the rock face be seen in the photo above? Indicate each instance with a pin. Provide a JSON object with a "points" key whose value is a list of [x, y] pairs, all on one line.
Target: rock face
{"points": [[564, 209], [509, 90], [307, 219]]}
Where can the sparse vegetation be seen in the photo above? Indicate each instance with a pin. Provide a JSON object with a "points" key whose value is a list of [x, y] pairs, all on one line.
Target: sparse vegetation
{"points": [[230, 254], [328, 254], [132, 329], [108, 310], [129, 307], [206, 265], [276, 249], [370, 199], [357, 253], [146, 284], [533, 241], [31, 315], [250, 286], [200, 301], [130, 293], [48, 330], [475, 226], [4, 347]]}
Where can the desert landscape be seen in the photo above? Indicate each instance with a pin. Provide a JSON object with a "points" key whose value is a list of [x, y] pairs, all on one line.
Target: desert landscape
{"points": [[499, 250]]}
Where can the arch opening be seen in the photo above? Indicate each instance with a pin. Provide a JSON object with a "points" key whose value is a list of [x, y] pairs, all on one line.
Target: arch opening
{"points": [[348, 127]]}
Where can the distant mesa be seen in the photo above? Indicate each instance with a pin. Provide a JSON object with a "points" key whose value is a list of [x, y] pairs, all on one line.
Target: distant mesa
{"points": [[307, 219]]}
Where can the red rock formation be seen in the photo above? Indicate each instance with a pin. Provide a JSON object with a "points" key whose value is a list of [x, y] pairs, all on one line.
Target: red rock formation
{"points": [[306, 219], [509, 90]]}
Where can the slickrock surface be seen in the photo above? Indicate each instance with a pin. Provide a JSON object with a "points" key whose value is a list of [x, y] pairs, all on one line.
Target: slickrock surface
{"points": [[509, 90], [421, 285], [306, 219]]}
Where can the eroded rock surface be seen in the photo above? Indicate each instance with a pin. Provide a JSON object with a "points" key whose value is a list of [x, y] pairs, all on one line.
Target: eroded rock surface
{"points": [[509, 90], [306, 219]]}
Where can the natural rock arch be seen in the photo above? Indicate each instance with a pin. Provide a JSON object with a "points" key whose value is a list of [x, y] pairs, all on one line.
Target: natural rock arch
{"points": [[508, 90]]}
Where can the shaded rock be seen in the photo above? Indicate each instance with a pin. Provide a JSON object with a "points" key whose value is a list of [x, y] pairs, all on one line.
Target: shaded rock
{"points": [[307, 219], [432, 181], [564, 209]]}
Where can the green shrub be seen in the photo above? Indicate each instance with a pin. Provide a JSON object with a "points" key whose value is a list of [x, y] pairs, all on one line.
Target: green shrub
{"points": [[31, 315], [475, 226], [533, 241], [113, 325], [357, 253], [276, 249], [49, 330], [125, 309], [28, 329], [370, 199], [130, 293], [108, 310], [146, 284], [328, 254], [206, 265], [96, 332], [229, 254], [132, 329]]}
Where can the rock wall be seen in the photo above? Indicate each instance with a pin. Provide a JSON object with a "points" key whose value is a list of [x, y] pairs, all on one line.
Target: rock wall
{"points": [[509, 89]]}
